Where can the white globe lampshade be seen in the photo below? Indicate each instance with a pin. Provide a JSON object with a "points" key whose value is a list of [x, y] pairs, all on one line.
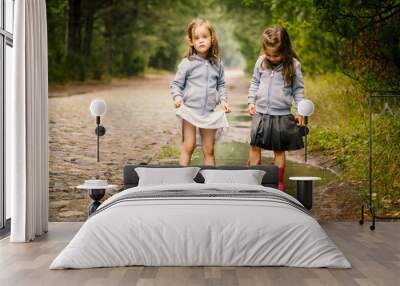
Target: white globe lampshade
{"points": [[305, 107], [98, 107]]}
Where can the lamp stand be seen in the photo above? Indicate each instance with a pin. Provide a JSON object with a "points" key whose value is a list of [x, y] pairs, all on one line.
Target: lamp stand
{"points": [[98, 137], [305, 138], [100, 131]]}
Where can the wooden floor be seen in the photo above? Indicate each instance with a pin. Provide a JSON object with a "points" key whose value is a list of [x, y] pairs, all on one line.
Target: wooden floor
{"points": [[375, 256]]}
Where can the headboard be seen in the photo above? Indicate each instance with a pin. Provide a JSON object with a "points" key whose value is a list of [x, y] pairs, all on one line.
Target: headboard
{"points": [[270, 178]]}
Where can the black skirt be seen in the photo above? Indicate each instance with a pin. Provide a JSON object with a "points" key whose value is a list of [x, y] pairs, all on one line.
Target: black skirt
{"points": [[275, 132]]}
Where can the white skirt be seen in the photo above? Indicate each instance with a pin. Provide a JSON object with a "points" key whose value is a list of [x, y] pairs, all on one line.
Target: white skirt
{"points": [[211, 120]]}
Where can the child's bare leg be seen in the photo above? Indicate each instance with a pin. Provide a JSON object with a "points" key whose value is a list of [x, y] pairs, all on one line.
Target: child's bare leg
{"points": [[280, 158], [188, 144], [254, 155], [208, 140]]}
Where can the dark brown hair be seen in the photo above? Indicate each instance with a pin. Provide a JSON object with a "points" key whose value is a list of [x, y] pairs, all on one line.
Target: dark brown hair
{"points": [[213, 52], [278, 38]]}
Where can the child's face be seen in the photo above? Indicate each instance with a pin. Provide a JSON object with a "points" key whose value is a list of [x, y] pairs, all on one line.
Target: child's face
{"points": [[273, 55], [201, 39]]}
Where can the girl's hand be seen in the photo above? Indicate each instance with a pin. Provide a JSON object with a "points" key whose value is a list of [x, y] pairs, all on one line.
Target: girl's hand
{"points": [[225, 106], [299, 120], [178, 103], [251, 109]]}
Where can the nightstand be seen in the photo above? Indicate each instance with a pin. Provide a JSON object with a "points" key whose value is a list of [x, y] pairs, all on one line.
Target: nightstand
{"points": [[96, 193], [304, 190]]}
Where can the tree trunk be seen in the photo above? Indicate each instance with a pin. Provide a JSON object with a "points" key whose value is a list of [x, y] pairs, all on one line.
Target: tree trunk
{"points": [[74, 26], [108, 35], [90, 8], [66, 24]]}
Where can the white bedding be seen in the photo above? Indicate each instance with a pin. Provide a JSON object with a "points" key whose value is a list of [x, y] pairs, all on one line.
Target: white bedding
{"points": [[182, 231]]}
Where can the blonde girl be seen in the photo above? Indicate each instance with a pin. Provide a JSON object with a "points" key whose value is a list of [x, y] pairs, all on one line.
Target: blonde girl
{"points": [[198, 87]]}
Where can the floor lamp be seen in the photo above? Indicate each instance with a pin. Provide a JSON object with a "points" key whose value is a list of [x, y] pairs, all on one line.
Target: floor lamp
{"points": [[305, 108], [98, 108]]}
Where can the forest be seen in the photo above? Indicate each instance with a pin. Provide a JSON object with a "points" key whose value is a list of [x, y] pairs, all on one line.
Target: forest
{"points": [[349, 50]]}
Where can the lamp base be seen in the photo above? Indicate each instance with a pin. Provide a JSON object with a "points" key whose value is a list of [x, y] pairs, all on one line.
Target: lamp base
{"points": [[96, 195]]}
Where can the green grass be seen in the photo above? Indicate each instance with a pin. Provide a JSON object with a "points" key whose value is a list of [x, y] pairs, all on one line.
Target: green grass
{"points": [[169, 152], [153, 71], [339, 129]]}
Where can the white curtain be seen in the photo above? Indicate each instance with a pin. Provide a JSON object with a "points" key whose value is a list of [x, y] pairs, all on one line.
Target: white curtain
{"points": [[27, 123]]}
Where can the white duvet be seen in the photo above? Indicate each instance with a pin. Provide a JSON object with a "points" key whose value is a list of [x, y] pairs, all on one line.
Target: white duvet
{"points": [[183, 231]]}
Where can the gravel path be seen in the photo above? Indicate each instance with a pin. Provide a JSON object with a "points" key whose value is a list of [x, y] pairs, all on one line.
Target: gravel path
{"points": [[140, 121]]}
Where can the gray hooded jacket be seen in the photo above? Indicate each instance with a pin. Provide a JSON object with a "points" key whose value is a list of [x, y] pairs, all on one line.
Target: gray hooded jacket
{"points": [[269, 92], [200, 84]]}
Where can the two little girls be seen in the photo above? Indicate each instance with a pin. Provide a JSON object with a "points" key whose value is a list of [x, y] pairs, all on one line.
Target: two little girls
{"points": [[277, 80]]}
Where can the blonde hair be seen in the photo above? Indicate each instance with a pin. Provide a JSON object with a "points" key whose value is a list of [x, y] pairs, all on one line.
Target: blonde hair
{"points": [[277, 37], [213, 52]]}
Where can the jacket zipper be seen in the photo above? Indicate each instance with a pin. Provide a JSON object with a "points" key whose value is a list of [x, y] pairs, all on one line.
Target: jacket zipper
{"points": [[206, 99], [269, 88]]}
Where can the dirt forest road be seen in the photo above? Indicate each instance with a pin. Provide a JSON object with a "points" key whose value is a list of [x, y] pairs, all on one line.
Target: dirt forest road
{"points": [[140, 123]]}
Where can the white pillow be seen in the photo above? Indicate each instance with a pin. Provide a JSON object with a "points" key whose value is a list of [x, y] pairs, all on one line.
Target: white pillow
{"points": [[163, 176], [249, 177]]}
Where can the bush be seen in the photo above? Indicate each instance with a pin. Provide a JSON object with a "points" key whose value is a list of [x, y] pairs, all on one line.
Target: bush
{"points": [[339, 129]]}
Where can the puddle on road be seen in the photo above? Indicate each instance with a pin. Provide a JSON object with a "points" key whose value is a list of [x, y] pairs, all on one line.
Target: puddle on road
{"points": [[234, 153]]}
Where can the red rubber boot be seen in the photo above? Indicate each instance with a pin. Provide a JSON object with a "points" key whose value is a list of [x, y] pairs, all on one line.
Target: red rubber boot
{"points": [[281, 183]]}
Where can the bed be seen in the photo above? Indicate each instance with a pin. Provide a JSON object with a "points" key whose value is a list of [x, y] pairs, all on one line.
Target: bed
{"points": [[201, 224]]}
